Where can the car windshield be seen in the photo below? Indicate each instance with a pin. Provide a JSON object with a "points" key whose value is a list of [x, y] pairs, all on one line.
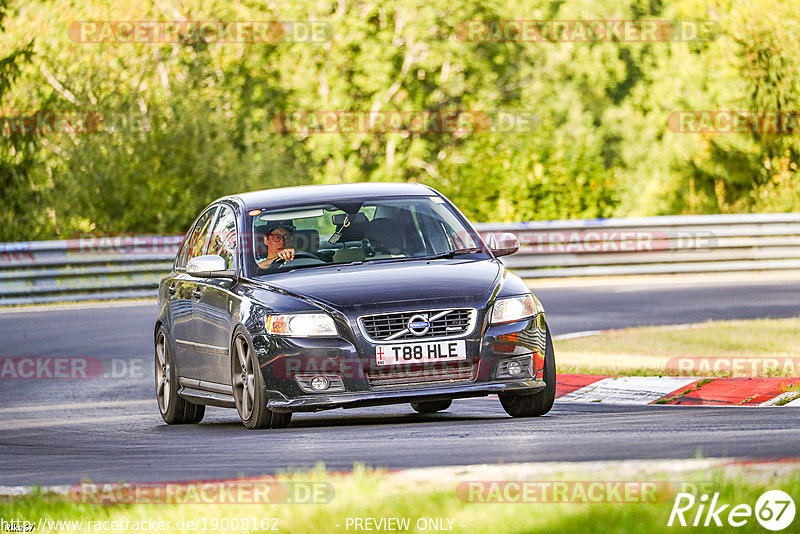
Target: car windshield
{"points": [[379, 230]]}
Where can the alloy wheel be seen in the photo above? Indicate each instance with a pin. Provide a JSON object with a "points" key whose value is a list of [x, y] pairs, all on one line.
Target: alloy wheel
{"points": [[163, 385], [244, 385]]}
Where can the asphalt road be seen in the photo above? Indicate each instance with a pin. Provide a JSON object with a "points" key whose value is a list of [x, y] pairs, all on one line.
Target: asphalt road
{"points": [[107, 428]]}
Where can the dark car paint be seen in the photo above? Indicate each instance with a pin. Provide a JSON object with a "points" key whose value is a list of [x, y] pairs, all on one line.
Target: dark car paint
{"points": [[392, 282], [208, 310]]}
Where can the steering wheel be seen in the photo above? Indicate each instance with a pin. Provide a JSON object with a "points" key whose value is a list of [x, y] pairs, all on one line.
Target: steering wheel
{"points": [[297, 254], [369, 247]]}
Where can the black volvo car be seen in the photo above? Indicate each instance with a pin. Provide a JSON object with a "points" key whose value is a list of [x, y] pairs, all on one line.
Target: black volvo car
{"points": [[341, 296]]}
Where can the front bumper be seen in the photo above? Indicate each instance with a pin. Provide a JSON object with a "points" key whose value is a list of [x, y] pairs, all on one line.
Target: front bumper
{"points": [[489, 350], [378, 398]]}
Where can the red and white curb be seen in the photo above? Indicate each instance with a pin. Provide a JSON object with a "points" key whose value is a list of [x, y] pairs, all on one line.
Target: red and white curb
{"points": [[678, 390]]}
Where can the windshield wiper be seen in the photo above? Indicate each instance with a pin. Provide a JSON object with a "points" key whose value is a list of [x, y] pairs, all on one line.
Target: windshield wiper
{"points": [[453, 253], [449, 254], [290, 268]]}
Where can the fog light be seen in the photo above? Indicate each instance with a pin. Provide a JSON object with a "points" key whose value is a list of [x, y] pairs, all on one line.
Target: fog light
{"points": [[320, 383], [328, 383], [514, 368]]}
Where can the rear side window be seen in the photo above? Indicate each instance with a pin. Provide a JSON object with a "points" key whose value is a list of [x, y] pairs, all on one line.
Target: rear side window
{"points": [[222, 240], [194, 244]]}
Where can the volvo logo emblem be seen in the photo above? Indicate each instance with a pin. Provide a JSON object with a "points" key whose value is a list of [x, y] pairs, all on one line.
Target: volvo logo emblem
{"points": [[419, 325]]}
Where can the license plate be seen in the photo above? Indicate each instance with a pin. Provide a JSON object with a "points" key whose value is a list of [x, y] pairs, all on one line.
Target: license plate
{"points": [[407, 353]]}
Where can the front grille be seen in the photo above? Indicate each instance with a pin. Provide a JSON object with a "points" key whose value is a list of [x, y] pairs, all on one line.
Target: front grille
{"points": [[444, 323], [441, 374]]}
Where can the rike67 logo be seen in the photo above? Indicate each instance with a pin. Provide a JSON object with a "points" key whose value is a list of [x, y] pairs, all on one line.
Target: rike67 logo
{"points": [[774, 510]]}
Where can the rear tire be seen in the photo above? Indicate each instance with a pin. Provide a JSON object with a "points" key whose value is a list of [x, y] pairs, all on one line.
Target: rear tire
{"points": [[431, 406], [249, 391], [517, 405], [175, 410]]}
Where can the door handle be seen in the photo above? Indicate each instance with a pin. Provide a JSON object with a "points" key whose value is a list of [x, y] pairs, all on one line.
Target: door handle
{"points": [[197, 293], [171, 290]]}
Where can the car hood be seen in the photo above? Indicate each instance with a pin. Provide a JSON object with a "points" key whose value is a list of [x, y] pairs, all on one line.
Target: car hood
{"points": [[368, 284]]}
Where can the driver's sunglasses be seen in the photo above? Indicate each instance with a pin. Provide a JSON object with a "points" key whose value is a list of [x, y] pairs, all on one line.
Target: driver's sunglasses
{"points": [[280, 237]]}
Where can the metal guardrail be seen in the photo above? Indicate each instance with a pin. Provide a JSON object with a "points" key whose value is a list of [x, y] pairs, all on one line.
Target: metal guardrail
{"points": [[654, 245], [115, 267], [85, 268]]}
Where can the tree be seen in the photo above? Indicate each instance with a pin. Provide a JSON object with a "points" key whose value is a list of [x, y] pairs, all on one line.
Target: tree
{"points": [[17, 150]]}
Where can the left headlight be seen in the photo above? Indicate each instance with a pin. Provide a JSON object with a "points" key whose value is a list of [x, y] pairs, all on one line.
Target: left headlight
{"points": [[301, 325], [510, 309]]}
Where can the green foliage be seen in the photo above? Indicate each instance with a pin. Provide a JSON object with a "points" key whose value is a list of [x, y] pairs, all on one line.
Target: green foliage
{"points": [[17, 150], [194, 121], [443, 494]]}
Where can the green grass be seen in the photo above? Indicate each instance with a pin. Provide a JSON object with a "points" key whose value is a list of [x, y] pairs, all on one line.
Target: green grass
{"points": [[647, 351], [373, 494], [607, 370], [787, 400], [793, 388]]}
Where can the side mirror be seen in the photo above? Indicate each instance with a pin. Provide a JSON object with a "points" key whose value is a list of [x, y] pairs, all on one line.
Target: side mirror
{"points": [[505, 245], [208, 266]]}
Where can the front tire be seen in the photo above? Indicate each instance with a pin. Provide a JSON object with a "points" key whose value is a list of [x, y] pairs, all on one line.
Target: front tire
{"points": [[175, 410], [249, 391], [540, 403], [431, 406]]}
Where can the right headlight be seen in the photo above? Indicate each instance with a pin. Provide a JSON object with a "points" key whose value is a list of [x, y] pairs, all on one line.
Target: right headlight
{"points": [[301, 325], [510, 309]]}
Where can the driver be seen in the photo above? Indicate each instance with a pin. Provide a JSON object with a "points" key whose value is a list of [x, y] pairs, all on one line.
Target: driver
{"points": [[279, 238]]}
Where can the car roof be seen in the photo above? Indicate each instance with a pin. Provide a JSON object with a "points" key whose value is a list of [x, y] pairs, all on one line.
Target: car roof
{"points": [[307, 194]]}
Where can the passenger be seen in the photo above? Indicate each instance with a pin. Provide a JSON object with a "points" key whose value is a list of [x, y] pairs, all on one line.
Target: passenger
{"points": [[278, 235]]}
